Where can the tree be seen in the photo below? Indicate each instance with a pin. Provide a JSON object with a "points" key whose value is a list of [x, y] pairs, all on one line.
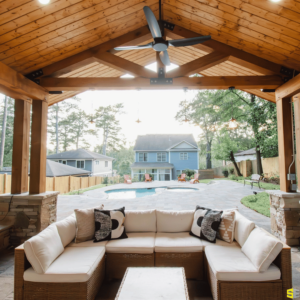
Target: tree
{"points": [[4, 120], [106, 119]]}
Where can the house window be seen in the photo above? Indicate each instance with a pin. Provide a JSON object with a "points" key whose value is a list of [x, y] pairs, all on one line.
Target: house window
{"points": [[80, 164], [161, 156], [183, 156], [97, 162], [64, 162], [143, 156], [178, 172], [106, 164]]}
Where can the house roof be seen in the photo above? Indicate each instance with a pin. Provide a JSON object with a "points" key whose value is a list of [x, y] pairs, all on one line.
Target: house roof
{"points": [[251, 151], [152, 165], [162, 142], [79, 154]]}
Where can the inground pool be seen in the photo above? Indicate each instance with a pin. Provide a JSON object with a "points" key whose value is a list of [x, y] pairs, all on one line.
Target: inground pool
{"points": [[137, 193]]}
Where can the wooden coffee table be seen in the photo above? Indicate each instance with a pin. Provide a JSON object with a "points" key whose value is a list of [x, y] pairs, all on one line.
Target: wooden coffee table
{"points": [[153, 283]]}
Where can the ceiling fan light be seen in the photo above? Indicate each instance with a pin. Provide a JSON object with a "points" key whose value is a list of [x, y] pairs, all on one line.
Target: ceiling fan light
{"points": [[44, 1], [232, 124]]}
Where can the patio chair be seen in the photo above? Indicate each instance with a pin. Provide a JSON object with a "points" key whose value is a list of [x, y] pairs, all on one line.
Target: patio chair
{"points": [[147, 178], [127, 179], [182, 178], [196, 178], [255, 178]]}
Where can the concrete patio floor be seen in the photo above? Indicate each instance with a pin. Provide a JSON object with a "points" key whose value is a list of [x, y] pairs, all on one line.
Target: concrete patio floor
{"points": [[220, 194]]}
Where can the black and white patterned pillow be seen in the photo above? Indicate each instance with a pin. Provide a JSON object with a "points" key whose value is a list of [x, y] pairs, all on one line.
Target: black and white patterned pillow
{"points": [[206, 223], [109, 224]]}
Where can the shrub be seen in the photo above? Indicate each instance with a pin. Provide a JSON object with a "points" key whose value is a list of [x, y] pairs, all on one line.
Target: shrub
{"points": [[105, 180], [225, 173], [231, 170], [188, 172], [187, 178], [233, 177]]}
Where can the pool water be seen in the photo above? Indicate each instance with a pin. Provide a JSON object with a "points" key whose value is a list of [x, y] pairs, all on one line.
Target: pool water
{"points": [[130, 193]]}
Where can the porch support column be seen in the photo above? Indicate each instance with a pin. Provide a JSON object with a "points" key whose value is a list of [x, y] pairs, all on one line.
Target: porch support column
{"points": [[285, 141], [38, 147], [297, 133], [20, 155]]}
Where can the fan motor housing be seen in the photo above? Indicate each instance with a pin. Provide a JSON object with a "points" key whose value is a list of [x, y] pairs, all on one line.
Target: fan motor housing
{"points": [[160, 44]]}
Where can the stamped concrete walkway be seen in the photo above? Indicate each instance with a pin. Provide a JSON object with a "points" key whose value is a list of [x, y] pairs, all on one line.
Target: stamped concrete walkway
{"points": [[221, 194]]}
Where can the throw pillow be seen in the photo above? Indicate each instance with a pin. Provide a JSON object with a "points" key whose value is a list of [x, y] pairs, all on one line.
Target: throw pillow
{"points": [[85, 222], [206, 223], [226, 229], [109, 225]]}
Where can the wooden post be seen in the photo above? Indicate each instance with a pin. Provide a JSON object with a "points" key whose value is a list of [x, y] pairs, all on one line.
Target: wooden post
{"points": [[38, 147], [297, 134], [20, 155], [285, 141]]}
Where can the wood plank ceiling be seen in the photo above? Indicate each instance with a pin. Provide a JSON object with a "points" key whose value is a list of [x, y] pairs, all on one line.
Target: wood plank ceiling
{"points": [[33, 35]]}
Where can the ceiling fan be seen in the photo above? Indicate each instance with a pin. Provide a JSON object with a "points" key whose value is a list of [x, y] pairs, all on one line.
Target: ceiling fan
{"points": [[160, 44]]}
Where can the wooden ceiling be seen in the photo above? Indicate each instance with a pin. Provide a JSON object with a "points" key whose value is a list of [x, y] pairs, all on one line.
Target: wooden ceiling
{"points": [[33, 36]]}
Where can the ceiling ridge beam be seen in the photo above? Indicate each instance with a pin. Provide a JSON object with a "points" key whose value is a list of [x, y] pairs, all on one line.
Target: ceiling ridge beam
{"points": [[200, 64], [251, 61]]}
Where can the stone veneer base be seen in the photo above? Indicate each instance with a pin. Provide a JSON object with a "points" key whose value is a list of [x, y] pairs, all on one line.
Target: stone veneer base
{"points": [[40, 209], [285, 216]]}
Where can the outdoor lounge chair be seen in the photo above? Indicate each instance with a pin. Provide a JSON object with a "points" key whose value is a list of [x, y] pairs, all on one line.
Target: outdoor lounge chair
{"points": [[127, 179], [147, 178], [182, 177], [196, 178]]}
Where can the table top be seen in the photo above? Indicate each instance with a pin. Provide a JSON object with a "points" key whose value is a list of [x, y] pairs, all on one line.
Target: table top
{"points": [[153, 283]]}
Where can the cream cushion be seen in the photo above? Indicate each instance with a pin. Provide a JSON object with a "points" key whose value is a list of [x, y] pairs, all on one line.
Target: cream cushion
{"points": [[174, 221], [67, 229], [140, 220], [231, 264], [136, 243], [177, 242], [243, 228], [262, 249], [76, 264], [41, 250], [89, 243]]}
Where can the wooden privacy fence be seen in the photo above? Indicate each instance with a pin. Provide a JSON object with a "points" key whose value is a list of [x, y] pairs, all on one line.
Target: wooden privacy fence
{"points": [[63, 184]]}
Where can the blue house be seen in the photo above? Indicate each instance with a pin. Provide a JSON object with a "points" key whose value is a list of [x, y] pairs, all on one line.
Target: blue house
{"points": [[164, 155]]}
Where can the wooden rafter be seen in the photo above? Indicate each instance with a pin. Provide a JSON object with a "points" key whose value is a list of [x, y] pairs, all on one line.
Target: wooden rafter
{"points": [[239, 82], [267, 96], [16, 84], [289, 89], [240, 57], [198, 65]]}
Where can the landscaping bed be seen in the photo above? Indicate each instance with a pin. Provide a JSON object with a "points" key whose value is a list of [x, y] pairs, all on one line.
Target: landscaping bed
{"points": [[260, 203]]}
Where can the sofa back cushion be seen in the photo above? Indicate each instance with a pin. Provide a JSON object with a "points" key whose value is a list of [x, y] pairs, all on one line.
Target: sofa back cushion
{"points": [[41, 250], [174, 221], [243, 228], [140, 220], [67, 229], [262, 249]]}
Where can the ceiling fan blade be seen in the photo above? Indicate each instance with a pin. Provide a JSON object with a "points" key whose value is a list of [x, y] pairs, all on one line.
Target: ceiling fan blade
{"points": [[139, 47], [164, 57], [189, 41], [152, 22]]}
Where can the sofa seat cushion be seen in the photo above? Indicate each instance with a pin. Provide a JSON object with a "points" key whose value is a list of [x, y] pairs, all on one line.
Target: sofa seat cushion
{"points": [[89, 243], [231, 264], [137, 242], [177, 242], [219, 243], [75, 264]]}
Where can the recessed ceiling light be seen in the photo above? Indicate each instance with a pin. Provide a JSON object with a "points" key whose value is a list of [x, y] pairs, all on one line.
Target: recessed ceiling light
{"points": [[275, 0], [44, 1]]}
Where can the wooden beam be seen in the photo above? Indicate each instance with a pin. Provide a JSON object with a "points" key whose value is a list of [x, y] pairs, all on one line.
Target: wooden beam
{"points": [[198, 65], [297, 134], [123, 65], [12, 94], [240, 57], [83, 58], [38, 154], [289, 89], [115, 83], [267, 96], [285, 141], [20, 156], [18, 84]]}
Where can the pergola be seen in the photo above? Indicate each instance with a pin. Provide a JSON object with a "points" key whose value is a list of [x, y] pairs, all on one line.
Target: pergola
{"points": [[67, 46]]}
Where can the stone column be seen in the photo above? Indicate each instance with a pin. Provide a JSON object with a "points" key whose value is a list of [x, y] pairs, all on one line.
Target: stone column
{"points": [[285, 216], [28, 214]]}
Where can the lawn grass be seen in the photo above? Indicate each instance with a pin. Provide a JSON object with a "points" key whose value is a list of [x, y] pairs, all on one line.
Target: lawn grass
{"points": [[79, 192], [264, 185], [259, 203]]}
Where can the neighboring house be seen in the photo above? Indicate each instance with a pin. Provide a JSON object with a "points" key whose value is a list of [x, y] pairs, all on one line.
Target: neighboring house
{"points": [[164, 155], [97, 164], [54, 169], [245, 155]]}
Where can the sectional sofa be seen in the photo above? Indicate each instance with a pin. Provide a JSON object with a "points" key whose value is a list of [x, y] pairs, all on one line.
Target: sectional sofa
{"points": [[155, 238]]}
